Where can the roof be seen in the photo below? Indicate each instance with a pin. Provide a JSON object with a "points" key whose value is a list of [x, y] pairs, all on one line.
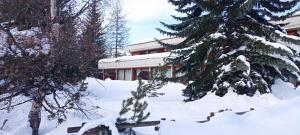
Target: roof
{"points": [[147, 60], [152, 44], [292, 22]]}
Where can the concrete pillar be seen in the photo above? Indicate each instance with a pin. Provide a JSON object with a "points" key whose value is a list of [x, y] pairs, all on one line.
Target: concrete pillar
{"points": [[131, 72], [103, 74], [116, 71], [150, 74]]}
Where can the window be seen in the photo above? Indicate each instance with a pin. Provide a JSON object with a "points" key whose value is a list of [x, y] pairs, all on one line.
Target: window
{"points": [[178, 74], [124, 74], [121, 74], [128, 74], [155, 72], [110, 74], [162, 72], [168, 73]]}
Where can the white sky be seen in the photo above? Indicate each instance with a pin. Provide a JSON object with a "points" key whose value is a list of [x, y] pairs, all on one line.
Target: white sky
{"points": [[143, 10], [143, 17]]}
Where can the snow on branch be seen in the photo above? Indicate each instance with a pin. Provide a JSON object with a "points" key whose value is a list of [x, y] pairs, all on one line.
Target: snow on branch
{"points": [[286, 60], [286, 35], [217, 35], [273, 44]]}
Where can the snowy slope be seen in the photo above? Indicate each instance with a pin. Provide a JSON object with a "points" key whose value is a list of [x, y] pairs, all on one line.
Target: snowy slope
{"points": [[274, 114]]}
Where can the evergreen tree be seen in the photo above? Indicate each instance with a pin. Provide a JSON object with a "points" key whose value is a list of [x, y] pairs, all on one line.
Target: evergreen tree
{"points": [[232, 45], [92, 39], [135, 106]]}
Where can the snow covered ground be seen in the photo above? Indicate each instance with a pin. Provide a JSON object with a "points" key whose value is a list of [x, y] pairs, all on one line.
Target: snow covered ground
{"points": [[276, 114]]}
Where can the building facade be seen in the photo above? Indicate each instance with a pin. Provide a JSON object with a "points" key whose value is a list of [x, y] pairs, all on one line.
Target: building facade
{"points": [[148, 57], [292, 24], [145, 59]]}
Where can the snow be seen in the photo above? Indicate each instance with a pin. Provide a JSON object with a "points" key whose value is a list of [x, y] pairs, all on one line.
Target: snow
{"points": [[137, 57], [2, 82], [244, 60], [188, 51], [284, 90], [107, 121], [273, 44], [137, 61], [32, 41], [226, 68], [297, 13], [286, 60], [280, 119], [3, 40], [275, 114], [244, 3], [217, 35], [233, 52], [153, 44], [286, 35], [294, 47]]}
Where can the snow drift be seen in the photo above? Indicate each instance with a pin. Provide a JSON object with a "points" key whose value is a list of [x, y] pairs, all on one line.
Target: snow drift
{"points": [[275, 114]]}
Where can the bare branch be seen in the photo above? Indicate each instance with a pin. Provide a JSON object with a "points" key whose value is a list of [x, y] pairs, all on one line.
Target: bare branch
{"points": [[54, 97], [10, 35], [17, 104], [84, 7], [48, 110], [11, 96], [3, 124]]}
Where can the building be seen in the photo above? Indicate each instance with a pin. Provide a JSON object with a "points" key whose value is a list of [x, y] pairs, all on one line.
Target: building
{"points": [[292, 24], [145, 58], [148, 57]]}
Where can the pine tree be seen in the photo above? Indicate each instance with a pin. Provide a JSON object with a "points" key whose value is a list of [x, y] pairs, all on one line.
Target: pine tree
{"points": [[232, 46], [135, 106], [92, 39]]}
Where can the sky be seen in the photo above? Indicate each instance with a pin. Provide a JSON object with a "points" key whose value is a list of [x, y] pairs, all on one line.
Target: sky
{"points": [[143, 17]]}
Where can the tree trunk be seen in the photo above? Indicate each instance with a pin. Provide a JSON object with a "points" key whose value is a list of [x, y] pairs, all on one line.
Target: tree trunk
{"points": [[34, 116], [53, 9], [117, 29], [55, 25], [117, 26]]}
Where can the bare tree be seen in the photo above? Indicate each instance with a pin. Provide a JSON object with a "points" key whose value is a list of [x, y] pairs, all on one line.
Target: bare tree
{"points": [[38, 57], [117, 32]]}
